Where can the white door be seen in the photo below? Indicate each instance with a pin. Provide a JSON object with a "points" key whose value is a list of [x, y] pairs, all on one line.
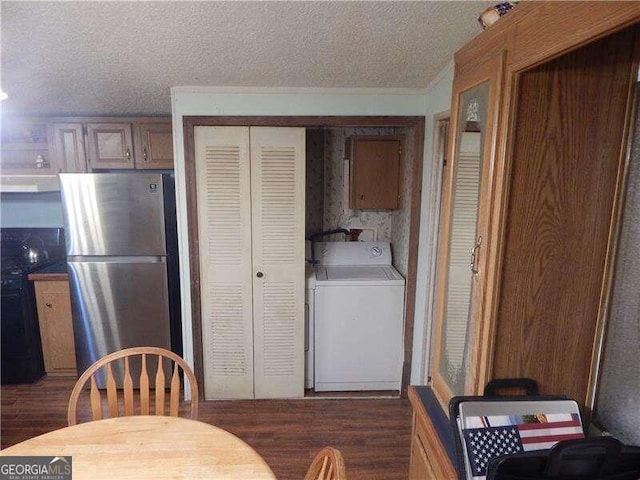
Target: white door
{"points": [[250, 194], [277, 200], [224, 234]]}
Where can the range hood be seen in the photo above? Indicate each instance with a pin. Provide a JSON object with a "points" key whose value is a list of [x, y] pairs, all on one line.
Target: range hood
{"points": [[29, 183]]}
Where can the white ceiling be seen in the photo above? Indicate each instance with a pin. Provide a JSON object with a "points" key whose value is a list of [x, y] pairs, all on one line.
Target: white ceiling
{"points": [[122, 57]]}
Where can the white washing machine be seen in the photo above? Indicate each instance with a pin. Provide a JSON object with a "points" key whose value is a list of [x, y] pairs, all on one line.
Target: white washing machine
{"points": [[309, 305], [359, 317]]}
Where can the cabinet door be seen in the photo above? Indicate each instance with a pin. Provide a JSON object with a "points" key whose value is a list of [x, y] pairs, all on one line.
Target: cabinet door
{"points": [[110, 145], [461, 273], [68, 147], [26, 148], [277, 203], [566, 174], [154, 146], [375, 172], [224, 235], [56, 329]]}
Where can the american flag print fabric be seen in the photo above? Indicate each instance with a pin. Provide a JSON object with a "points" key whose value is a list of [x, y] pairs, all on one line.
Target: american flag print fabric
{"points": [[491, 437], [483, 444]]}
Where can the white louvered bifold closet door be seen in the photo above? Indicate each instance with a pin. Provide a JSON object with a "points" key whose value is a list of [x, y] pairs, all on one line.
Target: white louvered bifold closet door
{"points": [[278, 202], [224, 232]]}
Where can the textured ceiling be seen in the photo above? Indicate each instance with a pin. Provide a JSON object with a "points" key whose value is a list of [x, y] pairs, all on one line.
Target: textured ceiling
{"points": [[123, 57]]}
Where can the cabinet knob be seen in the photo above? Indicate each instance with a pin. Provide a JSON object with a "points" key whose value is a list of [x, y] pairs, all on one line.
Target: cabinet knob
{"points": [[259, 274], [145, 158], [48, 305], [128, 154]]}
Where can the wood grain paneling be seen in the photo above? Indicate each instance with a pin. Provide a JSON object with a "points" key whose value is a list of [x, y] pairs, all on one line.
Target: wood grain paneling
{"points": [[569, 125]]}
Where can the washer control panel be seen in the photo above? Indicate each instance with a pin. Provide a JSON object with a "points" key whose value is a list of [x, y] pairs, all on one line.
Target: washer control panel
{"points": [[353, 253]]}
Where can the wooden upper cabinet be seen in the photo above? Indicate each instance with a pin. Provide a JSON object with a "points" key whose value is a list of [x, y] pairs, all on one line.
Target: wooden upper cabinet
{"points": [[375, 171], [26, 148], [110, 145], [51, 145], [68, 147], [153, 145]]}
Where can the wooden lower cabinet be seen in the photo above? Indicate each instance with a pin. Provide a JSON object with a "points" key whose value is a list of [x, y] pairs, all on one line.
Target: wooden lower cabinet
{"points": [[420, 466], [56, 329], [429, 458]]}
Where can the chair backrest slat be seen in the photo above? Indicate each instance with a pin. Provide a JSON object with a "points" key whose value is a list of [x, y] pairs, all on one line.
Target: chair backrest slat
{"points": [[144, 387], [112, 392], [323, 469], [128, 385], [328, 464], [174, 400], [127, 389], [160, 388], [96, 400]]}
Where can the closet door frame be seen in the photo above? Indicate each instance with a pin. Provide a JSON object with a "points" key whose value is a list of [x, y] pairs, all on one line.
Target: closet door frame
{"points": [[415, 122]]}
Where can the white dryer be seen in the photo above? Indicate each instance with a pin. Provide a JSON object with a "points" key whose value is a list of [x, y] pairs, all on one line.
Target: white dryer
{"points": [[359, 317]]}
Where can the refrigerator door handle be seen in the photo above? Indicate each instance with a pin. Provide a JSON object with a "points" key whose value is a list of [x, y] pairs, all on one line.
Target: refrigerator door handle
{"points": [[119, 259]]}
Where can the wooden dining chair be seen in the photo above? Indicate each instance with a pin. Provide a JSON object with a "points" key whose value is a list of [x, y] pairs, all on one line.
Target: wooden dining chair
{"points": [[327, 465], [142, 356]]}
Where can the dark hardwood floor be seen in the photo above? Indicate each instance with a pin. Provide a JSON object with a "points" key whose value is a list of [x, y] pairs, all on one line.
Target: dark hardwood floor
{"points": [[373, 434]]}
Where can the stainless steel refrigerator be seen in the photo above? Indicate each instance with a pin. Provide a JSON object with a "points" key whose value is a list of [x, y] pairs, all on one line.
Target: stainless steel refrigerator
{"points": [[122, 262]]}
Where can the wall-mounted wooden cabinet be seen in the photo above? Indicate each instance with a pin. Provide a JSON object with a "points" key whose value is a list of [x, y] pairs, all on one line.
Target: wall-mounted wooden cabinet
{"points": [[68, 147], [140, 145], [375, 172], [110, 145], [26, 148], [52, 145], [153, 145]]}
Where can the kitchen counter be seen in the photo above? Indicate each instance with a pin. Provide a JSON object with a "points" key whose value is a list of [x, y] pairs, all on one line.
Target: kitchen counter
{"points": [[57, 271]]}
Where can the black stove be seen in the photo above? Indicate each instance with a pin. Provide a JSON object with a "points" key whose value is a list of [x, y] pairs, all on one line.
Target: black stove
{"points": [[20, 333]]}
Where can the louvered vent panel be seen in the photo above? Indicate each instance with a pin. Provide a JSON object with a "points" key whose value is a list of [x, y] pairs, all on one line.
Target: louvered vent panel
{"points": [[227, 330], [279, 328], [463, 238], [465, 208], [278, 219], [224, 219]]}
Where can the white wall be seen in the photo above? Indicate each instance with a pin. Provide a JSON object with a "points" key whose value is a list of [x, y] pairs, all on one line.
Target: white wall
{"points": [[217, 101], [438, 100]]}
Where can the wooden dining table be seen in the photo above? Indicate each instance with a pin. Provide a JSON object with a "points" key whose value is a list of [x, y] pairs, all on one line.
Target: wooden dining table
{"points": [[149, 447]]}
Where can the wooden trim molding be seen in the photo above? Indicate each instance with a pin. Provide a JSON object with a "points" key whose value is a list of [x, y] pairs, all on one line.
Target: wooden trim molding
{"points": [[412, 122]]}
